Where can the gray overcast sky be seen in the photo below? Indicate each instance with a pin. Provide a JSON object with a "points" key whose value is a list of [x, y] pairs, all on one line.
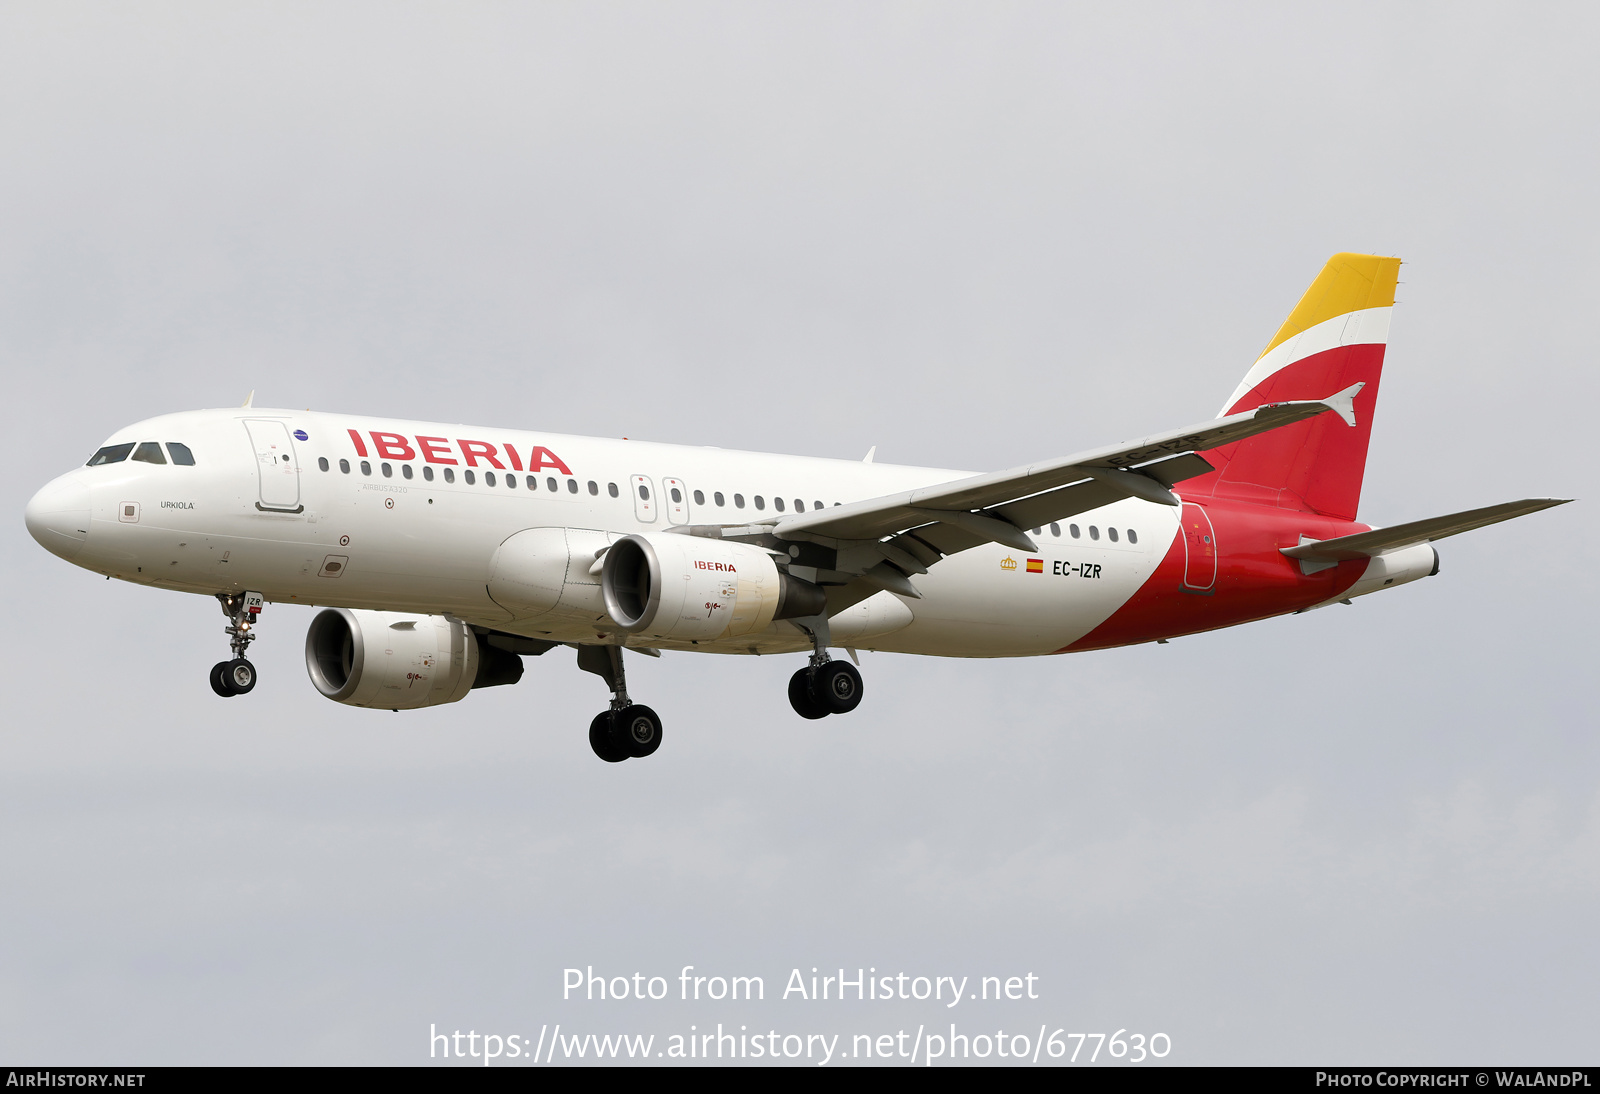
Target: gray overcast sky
{"points": [[970, 235]]}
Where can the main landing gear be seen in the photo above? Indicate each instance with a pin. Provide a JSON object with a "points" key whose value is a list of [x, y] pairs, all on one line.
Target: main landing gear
{"points": [[825, 686], [237, 677], [627, 730]]}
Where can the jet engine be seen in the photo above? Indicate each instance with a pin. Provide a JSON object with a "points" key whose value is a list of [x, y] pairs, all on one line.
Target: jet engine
{"points": [[395, 661], [695, 589]]}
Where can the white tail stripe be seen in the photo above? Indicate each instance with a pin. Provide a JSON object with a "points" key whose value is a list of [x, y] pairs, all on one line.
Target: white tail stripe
{"points": [[1370, 325]]}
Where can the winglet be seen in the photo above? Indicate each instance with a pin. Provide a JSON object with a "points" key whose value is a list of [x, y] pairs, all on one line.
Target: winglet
{"points": [[871, 452], [249, 400], [1343, 403]]}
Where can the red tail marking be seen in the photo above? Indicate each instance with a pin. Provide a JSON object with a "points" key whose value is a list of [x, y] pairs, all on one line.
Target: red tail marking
{"points": [[1316, 465]]}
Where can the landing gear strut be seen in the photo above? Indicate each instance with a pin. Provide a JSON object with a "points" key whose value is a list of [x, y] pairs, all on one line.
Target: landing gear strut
{"points": [[237, 677], [628, 729], [825, 686]]}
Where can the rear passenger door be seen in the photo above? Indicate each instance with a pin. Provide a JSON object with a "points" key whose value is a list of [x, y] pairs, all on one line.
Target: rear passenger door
{"points": [[1200, 549]]}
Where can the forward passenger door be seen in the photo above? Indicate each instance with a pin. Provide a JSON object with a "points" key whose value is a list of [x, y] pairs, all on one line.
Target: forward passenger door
{"points": [[276, 465]]}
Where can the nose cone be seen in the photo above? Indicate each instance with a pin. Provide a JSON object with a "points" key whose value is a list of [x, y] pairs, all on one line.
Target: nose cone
{"points": [[58, 516]]}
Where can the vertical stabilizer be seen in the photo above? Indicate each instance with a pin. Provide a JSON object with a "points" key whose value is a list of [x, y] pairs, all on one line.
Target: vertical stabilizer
{"points": [[1333, 339]]}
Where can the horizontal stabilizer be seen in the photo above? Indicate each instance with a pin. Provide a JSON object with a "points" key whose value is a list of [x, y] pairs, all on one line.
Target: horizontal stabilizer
{"points": [[1379, 540]]}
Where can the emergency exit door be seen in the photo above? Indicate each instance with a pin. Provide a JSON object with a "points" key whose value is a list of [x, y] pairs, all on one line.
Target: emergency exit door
{"points": [[644, 500], [676, 502]]}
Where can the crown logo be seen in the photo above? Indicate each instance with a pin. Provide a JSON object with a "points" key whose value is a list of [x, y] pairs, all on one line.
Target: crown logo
{"points": [[1008, 563]]}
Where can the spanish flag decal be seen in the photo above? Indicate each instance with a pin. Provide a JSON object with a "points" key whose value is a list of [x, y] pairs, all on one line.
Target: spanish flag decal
{"points": [[1036, 565]]}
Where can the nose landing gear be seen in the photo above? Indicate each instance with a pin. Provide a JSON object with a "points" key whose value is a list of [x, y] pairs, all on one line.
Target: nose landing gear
{"points": [[238, 676], [628, 729]]}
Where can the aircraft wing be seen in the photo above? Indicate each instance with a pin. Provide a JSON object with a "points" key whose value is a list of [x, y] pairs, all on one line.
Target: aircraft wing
{"points": [[1379, 540], [885, 539]]}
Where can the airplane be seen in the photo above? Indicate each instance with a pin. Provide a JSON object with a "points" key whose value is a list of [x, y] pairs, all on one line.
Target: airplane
{"points": [[442, 555]]}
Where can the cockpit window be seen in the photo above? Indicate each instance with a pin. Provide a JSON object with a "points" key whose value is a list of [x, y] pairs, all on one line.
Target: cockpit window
{"points": [[180, 454], [149, 452], [111, 453]]}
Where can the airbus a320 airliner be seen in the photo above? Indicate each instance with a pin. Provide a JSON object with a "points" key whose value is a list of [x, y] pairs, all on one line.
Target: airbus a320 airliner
{"points": [[443, 555]]}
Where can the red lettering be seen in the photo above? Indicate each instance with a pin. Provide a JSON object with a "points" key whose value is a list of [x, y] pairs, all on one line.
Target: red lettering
{"points": [[542, 457], [361, 449], [471, 450], [434, 449], [392, 446], [511, 454]]}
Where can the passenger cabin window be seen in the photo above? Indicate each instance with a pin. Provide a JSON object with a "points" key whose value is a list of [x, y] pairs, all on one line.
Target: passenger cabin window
{"points": [[717, 497], [366, 468], [511, 482], [322, 463], [405, 470], [1072, 530], [533, 482], [644, 493], [777, 503], [761, 502], [677, 495], [449, 474], [699, 497], [594, 489], [488, 478], [799, 505], [1055, 530], [469, 477], [1094, 533], [1112, 532], [149, 452], [551, 484], [427, 473], [388, 470], [111, 453], [180, 454], [611, 488], [738, 501], [1133, 537], [572, 486], [344, 466]]}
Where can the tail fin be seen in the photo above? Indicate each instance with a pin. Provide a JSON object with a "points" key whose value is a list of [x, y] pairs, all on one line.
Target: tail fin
{"points": [[1335, 337]]}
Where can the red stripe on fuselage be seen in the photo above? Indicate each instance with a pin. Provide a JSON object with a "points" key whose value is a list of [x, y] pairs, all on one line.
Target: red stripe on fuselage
{"points": [[1255, 580]]}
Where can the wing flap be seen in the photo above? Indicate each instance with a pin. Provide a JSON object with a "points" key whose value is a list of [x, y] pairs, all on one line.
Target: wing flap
{"points": [[1379, 540]]}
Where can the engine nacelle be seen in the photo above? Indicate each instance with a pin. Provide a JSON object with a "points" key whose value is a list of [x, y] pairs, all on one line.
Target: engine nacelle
{"points": [[395, 661], [691, 588]]}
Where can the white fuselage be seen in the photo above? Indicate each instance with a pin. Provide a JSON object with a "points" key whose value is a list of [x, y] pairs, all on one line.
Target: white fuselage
{"points": [[397, 536]]}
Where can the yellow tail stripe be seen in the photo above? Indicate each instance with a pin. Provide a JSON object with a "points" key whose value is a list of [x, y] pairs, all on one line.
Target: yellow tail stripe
{"points": [[1348, 283]]}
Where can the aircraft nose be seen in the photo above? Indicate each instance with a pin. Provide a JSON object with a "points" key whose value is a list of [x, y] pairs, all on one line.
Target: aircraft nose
{"points": [[58, 516]]}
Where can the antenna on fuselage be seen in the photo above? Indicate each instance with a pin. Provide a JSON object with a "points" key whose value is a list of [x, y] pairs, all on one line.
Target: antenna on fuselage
{"points": [[248, 399]]}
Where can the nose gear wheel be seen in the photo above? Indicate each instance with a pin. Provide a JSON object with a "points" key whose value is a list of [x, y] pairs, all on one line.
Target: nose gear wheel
{"points": [[238, 676]]}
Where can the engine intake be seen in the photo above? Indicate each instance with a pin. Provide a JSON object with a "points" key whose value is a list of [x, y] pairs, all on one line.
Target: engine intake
{"points": [[695, 589]]}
